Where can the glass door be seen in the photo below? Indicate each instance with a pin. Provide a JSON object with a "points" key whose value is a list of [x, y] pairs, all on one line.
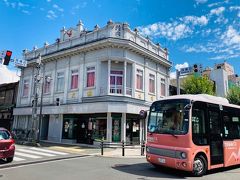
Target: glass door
{"points": [[216, 141]]}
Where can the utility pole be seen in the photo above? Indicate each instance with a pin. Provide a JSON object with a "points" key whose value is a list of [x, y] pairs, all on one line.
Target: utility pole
{"points": [[37, 78], [41, 104]]}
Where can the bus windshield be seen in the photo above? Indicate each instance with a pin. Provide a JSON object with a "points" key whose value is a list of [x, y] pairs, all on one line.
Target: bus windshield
{"points": [[169, 117]]}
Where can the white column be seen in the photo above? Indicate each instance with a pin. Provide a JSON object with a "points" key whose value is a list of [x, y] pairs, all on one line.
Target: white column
{"points": [[109, 127], [123, 127], [125, 78], [67, 78], [133, 79], [108, 83]]}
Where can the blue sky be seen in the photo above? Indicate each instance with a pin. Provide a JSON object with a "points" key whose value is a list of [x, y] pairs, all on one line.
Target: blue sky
{"points": [[194, 31]]}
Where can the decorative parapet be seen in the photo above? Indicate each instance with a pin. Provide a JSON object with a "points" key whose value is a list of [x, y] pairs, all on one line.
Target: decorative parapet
{"points": [[79, 35]]}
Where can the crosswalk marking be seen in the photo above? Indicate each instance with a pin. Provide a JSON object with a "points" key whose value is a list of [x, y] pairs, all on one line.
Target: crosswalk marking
{"points": [[18, 159], [34, 152], [49, 151], [27, 155]]}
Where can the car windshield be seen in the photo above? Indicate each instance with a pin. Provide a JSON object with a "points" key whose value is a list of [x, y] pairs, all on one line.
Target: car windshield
{"points": [[169, 117], [4, 135]]}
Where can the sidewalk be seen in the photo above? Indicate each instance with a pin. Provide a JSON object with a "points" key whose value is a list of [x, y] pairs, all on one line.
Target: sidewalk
{"points": [[84, 149]]}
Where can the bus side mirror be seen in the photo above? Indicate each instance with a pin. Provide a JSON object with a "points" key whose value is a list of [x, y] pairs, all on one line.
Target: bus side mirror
{"points": [[143, 114]]}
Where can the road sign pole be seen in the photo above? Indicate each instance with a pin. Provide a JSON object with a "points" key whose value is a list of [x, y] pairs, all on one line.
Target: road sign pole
{"points": [[178, 81]]}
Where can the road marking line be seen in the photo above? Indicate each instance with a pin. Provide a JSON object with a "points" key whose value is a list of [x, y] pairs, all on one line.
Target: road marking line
{"points": [[18, 159], [49, 151], [27, 155], [35, 164], [34, 152]]}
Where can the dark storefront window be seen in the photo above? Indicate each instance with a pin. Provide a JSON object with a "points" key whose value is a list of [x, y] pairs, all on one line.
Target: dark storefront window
{"points": [[133, 129], [69, 127], [99, 128], [116, 127], [91, 127]]}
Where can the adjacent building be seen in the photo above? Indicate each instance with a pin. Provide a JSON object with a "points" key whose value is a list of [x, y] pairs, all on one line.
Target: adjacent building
{"points": [[8, 97], [94, 84]]}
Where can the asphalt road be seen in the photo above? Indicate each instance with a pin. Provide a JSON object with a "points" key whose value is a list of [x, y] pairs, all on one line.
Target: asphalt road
{"points": [[103, 168]]}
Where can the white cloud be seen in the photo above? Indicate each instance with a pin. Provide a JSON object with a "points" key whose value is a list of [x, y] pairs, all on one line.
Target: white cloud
{"points": [[203, 20], [218, 3], [6, 2], [173, 31], [172, 75], [179, 66], [225, 56], [51, 15], [234, 8], [26, 12], [58, 8], [22, 5], [178, 29], [7, 76], [201, 1], [78, 6], [217, 11], [231, 36], [13, 5]]}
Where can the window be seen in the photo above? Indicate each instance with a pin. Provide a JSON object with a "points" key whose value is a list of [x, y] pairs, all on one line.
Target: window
{"points": [[199, 132], [139, 79], [231, 121], [4, 135], [69, 128], [74, 79], [116, 82], [163, 87], [47, 84], [151, 83], [60, 81], [169, 117], [25, 88], [91, 76]]}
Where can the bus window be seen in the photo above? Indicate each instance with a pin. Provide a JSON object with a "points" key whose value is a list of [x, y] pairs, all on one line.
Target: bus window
{"points": [[169, 117], [231, 123], [199, 123]]}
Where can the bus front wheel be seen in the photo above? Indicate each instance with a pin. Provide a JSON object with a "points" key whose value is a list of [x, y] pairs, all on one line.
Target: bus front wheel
{"points": [[199, 166]]}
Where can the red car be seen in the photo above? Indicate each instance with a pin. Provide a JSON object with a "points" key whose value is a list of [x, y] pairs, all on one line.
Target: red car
{"points": [[7, 146]]}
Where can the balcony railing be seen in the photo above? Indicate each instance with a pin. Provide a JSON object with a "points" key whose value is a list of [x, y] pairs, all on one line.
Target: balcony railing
{"points": [[116, 89]]}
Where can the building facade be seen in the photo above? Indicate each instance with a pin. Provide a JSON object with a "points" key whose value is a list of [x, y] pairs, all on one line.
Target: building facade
{"points": [[94, 85], [8, 97]]}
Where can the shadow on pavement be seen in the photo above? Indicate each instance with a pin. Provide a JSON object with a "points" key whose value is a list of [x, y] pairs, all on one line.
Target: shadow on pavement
{"points": [[147, 170]]}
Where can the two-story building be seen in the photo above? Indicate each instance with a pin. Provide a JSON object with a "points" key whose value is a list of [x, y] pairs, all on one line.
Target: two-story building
{"points": [[96, 83], [8, 98]]}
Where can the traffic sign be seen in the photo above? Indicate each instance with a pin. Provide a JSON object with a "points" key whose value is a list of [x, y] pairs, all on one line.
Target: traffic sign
{"points": [[20, 63], [185, 71]]}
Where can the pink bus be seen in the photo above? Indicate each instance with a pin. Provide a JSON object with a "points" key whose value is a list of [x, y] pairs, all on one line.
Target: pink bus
{"points": [[193, 133]]}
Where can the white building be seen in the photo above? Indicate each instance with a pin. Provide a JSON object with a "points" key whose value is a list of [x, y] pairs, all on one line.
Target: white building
{"points": [[103, 78], [220, 77]]}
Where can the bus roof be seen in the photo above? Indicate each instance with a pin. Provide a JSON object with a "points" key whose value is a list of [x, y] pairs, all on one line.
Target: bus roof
{"points": [[203, 98]]}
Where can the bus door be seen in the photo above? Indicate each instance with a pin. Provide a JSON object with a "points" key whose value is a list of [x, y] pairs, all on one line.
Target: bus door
{"points": [[216, 134]]}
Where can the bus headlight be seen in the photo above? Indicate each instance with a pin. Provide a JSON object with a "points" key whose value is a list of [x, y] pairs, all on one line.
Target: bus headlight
{"points": [[183, 155]]}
